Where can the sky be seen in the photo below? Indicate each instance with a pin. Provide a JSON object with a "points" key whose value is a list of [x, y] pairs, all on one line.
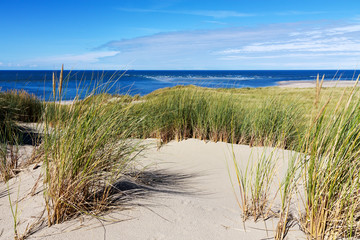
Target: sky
{"points": [[179, 34]]}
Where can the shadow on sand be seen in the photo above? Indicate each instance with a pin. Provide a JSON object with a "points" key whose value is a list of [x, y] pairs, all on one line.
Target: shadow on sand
{"points": [[143, 184]]}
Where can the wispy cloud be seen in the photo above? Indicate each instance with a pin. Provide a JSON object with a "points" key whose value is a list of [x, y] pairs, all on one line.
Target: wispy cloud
{"points": [[90, 57], [215, 22], [85, 59], [306, 45], [88, 60], [343, 30], [291, 55], [295, 12], [218, 14], [277, 46], [336, 44], [206, 13]]}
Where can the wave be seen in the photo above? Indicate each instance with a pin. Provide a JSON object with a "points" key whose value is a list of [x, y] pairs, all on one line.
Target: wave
{"points": [[167, 78]]}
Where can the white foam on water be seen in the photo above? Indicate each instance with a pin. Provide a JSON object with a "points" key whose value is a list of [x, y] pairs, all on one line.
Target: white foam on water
{"points": [[165, 78]]}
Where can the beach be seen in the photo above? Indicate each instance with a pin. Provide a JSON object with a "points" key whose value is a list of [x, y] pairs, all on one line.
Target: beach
{"points": [[185, 181], [190, 197], [312, 84], [179, 120]]}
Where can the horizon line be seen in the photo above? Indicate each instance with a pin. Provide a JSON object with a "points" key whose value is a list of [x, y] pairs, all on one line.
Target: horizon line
{"points": [[184, 70]]}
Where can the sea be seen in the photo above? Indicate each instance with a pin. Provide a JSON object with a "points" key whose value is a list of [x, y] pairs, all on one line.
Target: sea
{"points": [[83, 82]]}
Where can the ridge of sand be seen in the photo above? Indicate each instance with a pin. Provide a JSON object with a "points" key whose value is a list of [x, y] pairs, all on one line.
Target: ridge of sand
{"points": [[187, 195]]}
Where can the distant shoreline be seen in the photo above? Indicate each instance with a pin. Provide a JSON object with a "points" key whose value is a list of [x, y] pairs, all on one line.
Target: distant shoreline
{"points": [[144, 82], [312, 83], [281, 84]]}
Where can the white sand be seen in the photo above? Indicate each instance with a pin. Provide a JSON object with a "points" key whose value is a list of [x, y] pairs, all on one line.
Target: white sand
{"points": [[311, 84], [191, 199]]}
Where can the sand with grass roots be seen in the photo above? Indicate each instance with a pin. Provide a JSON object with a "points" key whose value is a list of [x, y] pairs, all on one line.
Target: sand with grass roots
{"points": [[183, 192]]}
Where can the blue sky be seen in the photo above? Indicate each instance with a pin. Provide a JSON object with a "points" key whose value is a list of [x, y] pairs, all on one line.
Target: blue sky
{"points": [[179, 34]]}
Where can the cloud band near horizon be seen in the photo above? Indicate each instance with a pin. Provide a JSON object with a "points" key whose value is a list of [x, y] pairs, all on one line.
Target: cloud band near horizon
{"points": [[276, 46]]}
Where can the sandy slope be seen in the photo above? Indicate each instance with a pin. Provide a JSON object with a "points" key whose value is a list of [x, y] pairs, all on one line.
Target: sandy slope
{"points": [[185, 194]]}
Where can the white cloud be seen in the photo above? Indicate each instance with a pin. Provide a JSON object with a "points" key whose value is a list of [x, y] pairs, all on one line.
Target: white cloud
{"points": [[206, 13], [277, 46], [343, 30], [215, 22], [321, 45], [292, 55], [218, 14], [1, 63], [90, 60], [90, 57], [305, 45], [286, 13]]}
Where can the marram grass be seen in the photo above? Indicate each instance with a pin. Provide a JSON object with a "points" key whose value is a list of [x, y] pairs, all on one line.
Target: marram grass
{"points": [[326, 166], [253, 184], [331, 172], [85, 154], [15, 106], [219, 116]]}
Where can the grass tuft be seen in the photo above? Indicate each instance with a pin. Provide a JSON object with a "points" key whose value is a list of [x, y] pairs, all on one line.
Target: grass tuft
{"points": [[15, 106], [331, 172], [85, 155]]}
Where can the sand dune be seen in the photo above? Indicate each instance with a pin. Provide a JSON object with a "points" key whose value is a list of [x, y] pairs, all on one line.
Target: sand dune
{"points": [[183, 192]]}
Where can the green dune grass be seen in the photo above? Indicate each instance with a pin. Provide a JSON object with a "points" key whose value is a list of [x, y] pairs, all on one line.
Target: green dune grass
{"points": [[15, 106]]}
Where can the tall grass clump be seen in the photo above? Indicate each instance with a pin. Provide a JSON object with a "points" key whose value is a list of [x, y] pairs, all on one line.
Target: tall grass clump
{"points": [[84, 155], [9, 140], [287, 190], [271, 122], [15, 106], [253, 183], [331, 171], [19, 105], [262, 173], [191, 112], [327, 164]]}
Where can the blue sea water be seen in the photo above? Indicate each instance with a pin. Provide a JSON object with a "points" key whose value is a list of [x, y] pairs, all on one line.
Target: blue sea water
{"points": [[143, 82]]}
